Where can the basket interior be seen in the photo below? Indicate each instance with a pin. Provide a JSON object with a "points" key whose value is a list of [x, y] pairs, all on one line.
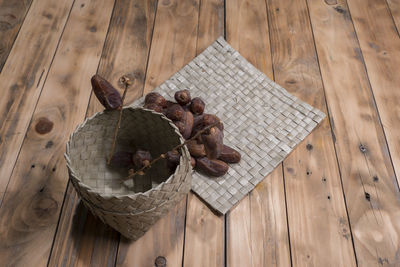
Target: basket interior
{"points": [[90, 146]]}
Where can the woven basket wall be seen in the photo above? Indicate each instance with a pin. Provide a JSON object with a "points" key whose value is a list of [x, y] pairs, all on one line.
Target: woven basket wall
{"points": [[131, 207]]}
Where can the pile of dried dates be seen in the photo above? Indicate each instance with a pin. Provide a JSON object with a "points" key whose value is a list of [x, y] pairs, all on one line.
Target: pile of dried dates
{"points": [[209, 154]]}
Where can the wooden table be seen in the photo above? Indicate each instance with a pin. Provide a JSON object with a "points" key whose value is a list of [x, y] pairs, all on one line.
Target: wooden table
{"points": [[333, 202]]}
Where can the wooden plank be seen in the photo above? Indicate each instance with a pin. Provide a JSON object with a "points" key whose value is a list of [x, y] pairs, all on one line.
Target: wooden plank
{"points": [[211, 23], [12, 14], [31, 207], [380, 46], [368, 178], [204, 235], [81, 239], [204, 231], [23, 76], [165, 239], [174, 37], [319, 228], [257, 233], [394, 8], [173, 45], [125, 52]]}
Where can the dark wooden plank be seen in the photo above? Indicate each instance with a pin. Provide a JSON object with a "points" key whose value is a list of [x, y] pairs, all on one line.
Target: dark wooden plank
{"points": [[257, 233], [368, 178], [81, 236], [173, 45], [12, 14], [205, 231], [23, 76], [31, 207], [318, 224]]}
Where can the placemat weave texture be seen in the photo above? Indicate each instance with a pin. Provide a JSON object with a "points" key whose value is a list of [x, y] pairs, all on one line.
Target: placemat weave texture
{"points": [[262, 120]]}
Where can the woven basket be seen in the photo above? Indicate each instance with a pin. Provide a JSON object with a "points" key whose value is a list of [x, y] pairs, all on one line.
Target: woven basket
{"points": [[131, 207]]}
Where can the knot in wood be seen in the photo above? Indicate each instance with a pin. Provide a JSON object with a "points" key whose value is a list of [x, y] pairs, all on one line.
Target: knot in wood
{"points": [[160, 261]]}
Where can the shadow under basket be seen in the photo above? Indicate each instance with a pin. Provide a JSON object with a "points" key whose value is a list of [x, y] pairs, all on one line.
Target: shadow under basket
{"points": [[133, 206]]}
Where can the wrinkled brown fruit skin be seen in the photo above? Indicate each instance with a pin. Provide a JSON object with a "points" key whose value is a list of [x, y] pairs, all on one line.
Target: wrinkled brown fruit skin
{"points": [[213, 142], [188, 122], [197, 120], [211, 167], [204, 120], [154, 107], [139, 157], [193, 162], [175, 112], [173, 159], [108, 96], [209, 119], [197, 106], [122, 159], [229, 155], [155, 98], [180, 125], [196, 149], [183, 97]]}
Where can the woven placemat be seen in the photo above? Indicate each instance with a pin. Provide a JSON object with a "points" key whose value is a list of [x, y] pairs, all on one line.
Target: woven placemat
{"points": [[262, 120]]}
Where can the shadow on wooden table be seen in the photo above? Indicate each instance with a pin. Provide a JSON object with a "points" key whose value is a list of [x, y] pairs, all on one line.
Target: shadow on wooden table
{"points": [[93, 242]]}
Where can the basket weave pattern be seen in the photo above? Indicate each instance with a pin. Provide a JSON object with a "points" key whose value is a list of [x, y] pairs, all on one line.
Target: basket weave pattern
{"points": [[262, 120], [99, 186]]}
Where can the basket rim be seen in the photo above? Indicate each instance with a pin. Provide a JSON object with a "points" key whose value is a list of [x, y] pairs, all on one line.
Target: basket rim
{"points": [[182, 163]]}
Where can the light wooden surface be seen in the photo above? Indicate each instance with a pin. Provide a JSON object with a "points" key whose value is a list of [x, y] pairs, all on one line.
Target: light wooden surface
{"points": [[334, 201], [257, 233]]}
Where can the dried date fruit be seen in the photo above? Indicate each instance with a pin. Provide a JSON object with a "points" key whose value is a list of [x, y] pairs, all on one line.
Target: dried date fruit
{"points": [[210, 119], [154, 107], [173, 159], [197, 106], [197, 119], [211, 167], [175, 112], [188, 122], [196, 149], [180, 125], [108, 96], [183, 97], [141, 158], [169, 103], [193, 162], [121, 159], [229, 155], [202, 121], [155, 98], [213, 142]]}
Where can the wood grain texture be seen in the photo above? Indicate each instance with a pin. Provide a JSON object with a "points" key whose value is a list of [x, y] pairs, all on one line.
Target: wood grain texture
{"points": [[204, 235], [380, 47], [202, 225], [81, 239], [173, 45], [23, 76], [368, 178], [31, 207], [174, 39], [394, 8], [318, 223], [12, 14], [125, 52], [165, 239], [261, 216], [211, 23]]}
